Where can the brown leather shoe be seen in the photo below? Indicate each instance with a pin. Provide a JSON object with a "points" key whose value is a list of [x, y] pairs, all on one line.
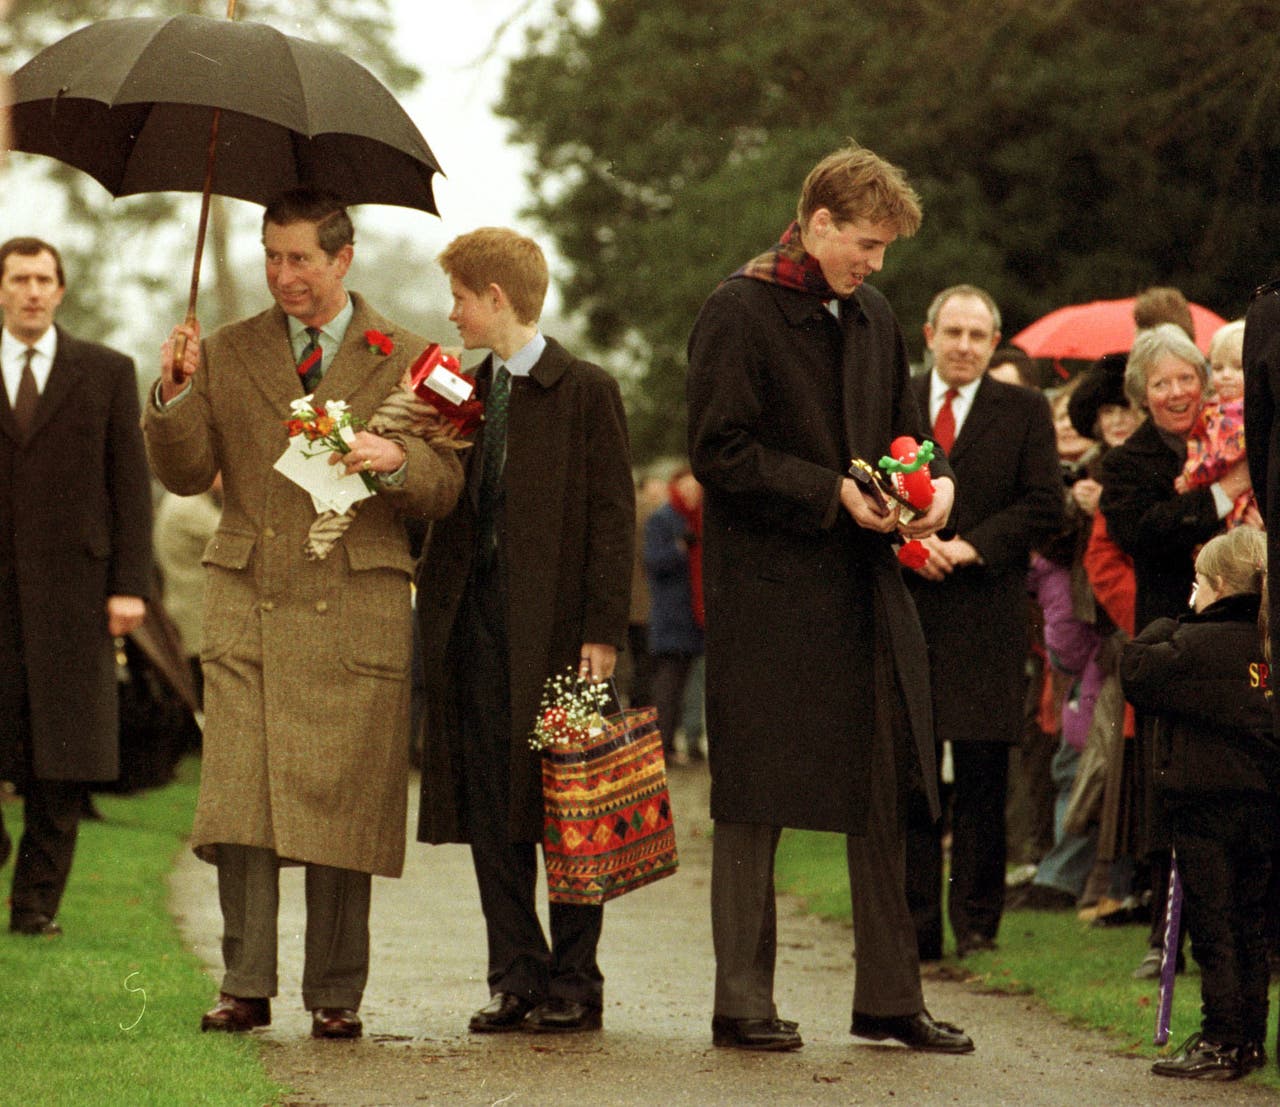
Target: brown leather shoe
{"points": [[335, 1022], [235, 1015]]}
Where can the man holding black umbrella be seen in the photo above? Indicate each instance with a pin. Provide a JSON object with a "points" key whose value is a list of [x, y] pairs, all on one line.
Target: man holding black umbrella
{"points": [[306, 660]]}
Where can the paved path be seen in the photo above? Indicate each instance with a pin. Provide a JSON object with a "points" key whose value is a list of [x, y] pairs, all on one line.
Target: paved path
{"points": [[655, 1050]]}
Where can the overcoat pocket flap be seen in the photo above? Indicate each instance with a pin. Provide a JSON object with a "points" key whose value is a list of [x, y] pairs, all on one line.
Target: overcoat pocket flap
{"points": [[378, 555], [229, 549]]}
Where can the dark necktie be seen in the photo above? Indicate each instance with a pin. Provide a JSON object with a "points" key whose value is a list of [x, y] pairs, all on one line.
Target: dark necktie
{"points": [[24, 407], [944, 426], [495, 451], [309, 361]]}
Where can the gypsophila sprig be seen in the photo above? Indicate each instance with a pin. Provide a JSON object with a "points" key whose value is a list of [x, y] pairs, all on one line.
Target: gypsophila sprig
{"points": [[329, 427], [570, 712]]}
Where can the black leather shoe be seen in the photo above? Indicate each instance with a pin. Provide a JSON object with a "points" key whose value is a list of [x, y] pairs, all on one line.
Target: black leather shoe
{"points": [[920, 1031], [235, 1015], [1202, 1059], [1253, 1055], [770, 1035], [335, 1022], [37, 926], [505, 1011], [562, 1016]]}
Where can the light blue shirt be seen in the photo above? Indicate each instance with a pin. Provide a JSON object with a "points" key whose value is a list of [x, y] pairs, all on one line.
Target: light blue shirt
{"points": [[331, 335], [524, 359]]}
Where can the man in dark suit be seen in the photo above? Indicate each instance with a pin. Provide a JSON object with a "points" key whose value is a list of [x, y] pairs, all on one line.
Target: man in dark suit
{"points": [[972, 601], [75, 568], [529, 577]]}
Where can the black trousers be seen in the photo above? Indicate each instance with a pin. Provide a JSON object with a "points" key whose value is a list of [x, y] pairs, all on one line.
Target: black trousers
{"points": [[51, 813], [669, 676], [1223, 846], [51, 808], [743, 903], [978, 850], [520, 959]]}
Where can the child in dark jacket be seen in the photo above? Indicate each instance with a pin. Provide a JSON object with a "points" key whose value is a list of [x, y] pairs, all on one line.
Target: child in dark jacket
{"points": [[1217, 764]]}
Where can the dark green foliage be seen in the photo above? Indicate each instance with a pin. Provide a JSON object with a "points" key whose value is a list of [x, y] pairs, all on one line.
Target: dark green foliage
{"points": [[1064, 151]]}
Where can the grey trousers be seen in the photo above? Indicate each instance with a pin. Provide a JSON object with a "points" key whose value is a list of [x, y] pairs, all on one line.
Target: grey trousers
{"points": [[743, 910], [336, 961]]}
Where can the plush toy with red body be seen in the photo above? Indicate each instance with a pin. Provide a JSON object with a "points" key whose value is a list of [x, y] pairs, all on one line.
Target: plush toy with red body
{"points": [[906, 471]]}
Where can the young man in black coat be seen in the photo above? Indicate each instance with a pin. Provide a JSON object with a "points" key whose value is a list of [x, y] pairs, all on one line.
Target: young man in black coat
{"points": [[817, 682]]}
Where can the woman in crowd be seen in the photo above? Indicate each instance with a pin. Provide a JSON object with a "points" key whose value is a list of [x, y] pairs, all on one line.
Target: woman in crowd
{"points": [[1161, 528]]}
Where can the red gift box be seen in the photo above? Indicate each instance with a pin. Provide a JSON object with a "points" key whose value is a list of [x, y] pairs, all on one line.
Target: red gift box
{"points": [[436, 379]]}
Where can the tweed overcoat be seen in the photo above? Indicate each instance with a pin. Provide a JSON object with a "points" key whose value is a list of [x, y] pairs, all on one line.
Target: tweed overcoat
{"points": [[1009, 497], [306, 663], [75, 528], [798, 597], [566, 522]]}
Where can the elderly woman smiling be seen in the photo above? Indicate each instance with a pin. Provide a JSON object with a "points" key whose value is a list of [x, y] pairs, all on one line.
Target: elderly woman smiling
{"points": [[1157, 526]]}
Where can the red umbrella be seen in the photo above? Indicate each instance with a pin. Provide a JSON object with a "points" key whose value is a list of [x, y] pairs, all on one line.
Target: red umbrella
{"points": [[1087, 331]]}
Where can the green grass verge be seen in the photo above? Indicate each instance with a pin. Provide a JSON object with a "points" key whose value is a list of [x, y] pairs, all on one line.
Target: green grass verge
{"points": [[109, 1013], [1080, 972]]}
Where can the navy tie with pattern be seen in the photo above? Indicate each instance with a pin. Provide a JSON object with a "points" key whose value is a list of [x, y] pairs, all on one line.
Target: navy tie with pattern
{"points": [[309, 361], [495, 452]]}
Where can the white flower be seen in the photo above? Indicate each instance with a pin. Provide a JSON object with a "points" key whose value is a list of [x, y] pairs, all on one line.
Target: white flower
{"points": [[303, 406], [336, 409]]}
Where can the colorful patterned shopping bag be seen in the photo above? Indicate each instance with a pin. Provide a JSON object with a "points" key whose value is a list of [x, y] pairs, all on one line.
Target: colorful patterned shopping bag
{"points": [[607, 827]]}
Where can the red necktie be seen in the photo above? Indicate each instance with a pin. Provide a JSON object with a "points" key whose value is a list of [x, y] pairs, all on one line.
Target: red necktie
{"points": [[944, 426]]}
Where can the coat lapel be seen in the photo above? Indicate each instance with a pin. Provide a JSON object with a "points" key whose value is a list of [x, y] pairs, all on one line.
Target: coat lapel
{"points": [[984, 411], [262, 347]]}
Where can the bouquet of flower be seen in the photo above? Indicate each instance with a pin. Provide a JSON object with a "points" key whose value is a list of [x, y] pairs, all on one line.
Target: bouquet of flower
{"points": [[570, 713], [329, 427]]}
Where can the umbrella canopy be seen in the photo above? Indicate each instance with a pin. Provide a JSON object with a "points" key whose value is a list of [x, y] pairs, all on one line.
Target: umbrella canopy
{"points": [[129, 101], [1088, 331]]}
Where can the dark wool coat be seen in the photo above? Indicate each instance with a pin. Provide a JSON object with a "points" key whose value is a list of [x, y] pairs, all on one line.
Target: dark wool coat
{"points": [[1262, 430], [1155, 525], [566, 527], [75, 528], [306, 663], [1009, 497], [1203, 679], [672, 625], [781, 396]]}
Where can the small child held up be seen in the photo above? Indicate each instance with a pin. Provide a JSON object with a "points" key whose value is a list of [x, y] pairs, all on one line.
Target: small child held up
{"points": [[1216, 442], [1204, 679]]}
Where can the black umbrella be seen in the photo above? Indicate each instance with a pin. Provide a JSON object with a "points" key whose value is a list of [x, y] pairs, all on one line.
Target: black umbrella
{"points": [[192, 104]]}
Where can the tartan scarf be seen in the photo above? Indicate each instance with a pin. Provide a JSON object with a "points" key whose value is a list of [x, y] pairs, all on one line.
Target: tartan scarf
{"points": [[790, 265]]}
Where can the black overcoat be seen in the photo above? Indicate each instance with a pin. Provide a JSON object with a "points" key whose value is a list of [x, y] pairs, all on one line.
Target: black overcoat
{"points": [[1009, 497], [1155, 525], [781, 395], [1262, 432], [75, 528], [567, 520]]}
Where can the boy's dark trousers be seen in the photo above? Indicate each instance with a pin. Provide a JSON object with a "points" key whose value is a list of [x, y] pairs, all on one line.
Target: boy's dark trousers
{"points": [[1223, 844]]}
